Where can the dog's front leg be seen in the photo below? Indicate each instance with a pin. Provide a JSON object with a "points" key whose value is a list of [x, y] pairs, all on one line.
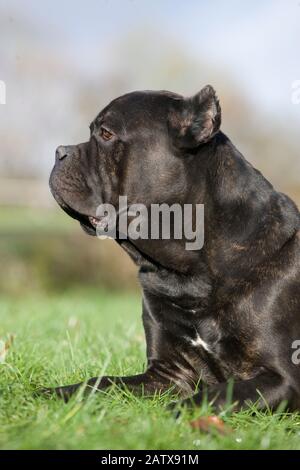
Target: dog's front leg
{"points": [[267, 390], [155, 380], [166, 369]]}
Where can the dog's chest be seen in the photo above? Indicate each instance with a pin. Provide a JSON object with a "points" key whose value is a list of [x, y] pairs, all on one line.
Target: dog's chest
{"points": [[223, 349], [181, 322], [205, 335]]}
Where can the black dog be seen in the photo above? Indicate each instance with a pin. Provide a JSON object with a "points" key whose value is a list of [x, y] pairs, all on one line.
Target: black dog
{"points": [[227, 312]]}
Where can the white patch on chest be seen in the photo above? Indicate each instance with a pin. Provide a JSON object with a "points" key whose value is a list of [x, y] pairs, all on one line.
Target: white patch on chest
{"points": [[200, 342]]}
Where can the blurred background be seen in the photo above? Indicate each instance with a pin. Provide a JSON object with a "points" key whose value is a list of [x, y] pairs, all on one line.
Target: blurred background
{"points": [[62, 61]]}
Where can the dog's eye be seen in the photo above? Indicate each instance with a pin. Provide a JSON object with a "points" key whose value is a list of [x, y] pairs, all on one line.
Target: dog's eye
{"points": [[105, 134]]}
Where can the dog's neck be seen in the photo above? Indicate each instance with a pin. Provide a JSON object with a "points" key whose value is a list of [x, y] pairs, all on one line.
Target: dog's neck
{"points": [[241, 210]]}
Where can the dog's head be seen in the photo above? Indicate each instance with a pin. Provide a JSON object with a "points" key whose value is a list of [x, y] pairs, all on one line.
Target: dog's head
{"points": [[141, 145]]}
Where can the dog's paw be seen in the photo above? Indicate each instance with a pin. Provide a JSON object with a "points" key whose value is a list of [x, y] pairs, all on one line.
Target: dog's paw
{"points": [[64, 393]]}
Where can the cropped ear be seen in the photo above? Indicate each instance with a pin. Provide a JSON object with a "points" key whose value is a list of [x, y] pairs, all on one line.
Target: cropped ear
{"points": [[197, 121]]}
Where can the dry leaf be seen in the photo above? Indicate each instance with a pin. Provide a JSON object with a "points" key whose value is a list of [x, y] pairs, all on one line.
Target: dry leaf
{"points": [[211, 424], [3, 351], [4, 347], [73, 322], [10, 340]]}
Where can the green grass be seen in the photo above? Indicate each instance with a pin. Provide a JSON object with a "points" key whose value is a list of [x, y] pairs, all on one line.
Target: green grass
{"points": [[24, 220], [68, 338]]}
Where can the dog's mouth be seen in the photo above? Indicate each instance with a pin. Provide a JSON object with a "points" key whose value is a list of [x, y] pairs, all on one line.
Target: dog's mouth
{"points": [[89, 223], [103, 226], [98, 224]]}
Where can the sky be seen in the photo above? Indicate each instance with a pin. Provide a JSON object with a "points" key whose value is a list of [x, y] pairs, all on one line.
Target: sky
{"points": [[62, 60], [258, 41]]}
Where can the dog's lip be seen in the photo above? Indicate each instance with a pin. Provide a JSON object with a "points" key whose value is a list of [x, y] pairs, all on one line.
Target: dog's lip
{"points": [[86, 221], [89, 223], [87, 227]]}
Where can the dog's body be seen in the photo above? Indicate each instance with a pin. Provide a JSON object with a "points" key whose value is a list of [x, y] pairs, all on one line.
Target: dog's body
{"points": [[228, 311]]}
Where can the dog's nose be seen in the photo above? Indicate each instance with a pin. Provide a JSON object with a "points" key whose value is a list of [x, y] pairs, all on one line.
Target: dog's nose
{"points": [[62, 152]]}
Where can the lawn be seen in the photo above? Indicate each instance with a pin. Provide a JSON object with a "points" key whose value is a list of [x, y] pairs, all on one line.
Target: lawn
{"points": [[68, 337]]}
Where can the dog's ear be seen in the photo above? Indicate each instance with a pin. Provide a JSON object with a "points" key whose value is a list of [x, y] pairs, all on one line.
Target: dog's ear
{"points": [[197, 120]]}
